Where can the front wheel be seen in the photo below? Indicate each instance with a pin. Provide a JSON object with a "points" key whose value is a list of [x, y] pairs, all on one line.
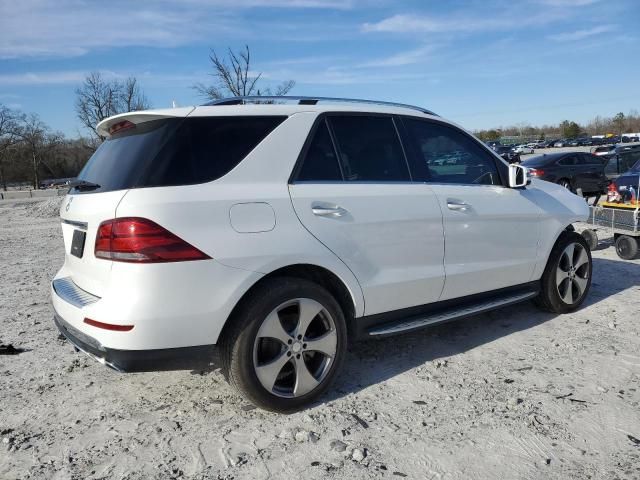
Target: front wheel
{"points": [[567, 277], [285, 345]]}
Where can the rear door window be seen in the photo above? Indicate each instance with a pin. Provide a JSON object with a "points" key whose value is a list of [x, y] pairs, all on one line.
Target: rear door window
{"points": [[369, 148], [568, 161], [171, 152], [320, 161]]}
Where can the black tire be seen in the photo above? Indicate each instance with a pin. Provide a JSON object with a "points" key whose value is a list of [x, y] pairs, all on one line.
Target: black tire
{"points": [[626, 247], [550, 298], [566, 184], [239, 342], [591, 237]]}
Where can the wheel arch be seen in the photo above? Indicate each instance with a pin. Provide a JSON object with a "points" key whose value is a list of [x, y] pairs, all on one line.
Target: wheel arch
{"points": [[317, 274]]}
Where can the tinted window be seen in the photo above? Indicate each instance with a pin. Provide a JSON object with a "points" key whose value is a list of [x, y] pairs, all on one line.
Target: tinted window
{"points": [[611, 166], [175, 151], [590, 159], [369, 148], [320, 162], [451, 155], [567, 161]]}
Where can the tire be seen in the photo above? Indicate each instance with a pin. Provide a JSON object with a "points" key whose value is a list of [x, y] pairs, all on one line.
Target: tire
{"points": [[626, 247], [591, 238], [566, 279], [566, 184], [267, 353]]}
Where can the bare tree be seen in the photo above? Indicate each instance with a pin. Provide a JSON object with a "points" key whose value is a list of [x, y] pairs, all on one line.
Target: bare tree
{"points": [[233, 78], [8, 138], [39, 141], [98, 99]]}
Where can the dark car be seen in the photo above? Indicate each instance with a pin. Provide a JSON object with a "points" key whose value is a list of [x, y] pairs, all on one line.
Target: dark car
{"points": [[621, 159], [572, 170], [628, 184], [507, 153]]}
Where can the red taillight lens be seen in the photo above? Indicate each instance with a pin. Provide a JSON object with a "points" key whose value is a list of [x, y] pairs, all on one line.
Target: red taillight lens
{"points": [[108, 326], [536, 172], [139, 240]]}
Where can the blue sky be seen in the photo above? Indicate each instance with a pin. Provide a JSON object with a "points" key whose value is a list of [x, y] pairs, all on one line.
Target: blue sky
{"points": [[481, 63]]}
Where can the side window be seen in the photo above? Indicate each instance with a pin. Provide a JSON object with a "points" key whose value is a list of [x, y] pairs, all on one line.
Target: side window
{"points": [[451, 155], [369, 148], [590, 159], [320, 162], [567, 161]]}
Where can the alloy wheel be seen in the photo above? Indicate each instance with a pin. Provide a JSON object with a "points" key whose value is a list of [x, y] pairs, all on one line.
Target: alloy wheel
{"points": [[295, 347], [572, 273]]}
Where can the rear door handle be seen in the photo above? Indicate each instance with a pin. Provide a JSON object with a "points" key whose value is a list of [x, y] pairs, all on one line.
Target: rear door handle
{"points": [[324, 210], [457, 205]]}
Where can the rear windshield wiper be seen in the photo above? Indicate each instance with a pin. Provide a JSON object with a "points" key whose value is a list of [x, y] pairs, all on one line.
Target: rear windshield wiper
{"points": [[83, 185]]}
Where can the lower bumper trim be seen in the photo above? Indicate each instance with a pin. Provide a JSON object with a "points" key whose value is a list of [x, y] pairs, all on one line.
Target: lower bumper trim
{"points": [[200, 357]]}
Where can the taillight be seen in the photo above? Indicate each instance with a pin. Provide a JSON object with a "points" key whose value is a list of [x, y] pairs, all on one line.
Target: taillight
{"points": [[108, 326], [536, 172], [139, 240]]}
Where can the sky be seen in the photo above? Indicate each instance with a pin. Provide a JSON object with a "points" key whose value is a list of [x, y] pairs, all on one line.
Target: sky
{"points": [[480, 63]]}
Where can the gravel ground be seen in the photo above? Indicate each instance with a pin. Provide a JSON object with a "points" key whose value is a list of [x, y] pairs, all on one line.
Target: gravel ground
{"points": [[512, 394]]}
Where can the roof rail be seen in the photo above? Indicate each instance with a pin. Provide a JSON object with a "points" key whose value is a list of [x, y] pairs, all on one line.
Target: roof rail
{"points": [[308, 101]]}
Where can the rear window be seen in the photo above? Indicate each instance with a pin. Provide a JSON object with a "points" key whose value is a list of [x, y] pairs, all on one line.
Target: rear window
{"points": [[176, 151]]}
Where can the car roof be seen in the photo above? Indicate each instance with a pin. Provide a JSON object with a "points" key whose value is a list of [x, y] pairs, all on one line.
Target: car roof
{"points": [[249, 106]]}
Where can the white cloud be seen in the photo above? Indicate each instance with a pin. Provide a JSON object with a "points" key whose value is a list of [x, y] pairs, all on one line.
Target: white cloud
{"points": [[568, 3], [403, 23], [408, 57], [581, 34], [69, 28]]}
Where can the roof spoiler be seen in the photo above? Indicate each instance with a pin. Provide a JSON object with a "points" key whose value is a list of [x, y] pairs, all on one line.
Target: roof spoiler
{"points": [[136, 118]]}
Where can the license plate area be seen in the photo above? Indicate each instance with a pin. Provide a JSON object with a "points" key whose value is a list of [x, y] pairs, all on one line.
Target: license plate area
{"points": [[77, 243]]}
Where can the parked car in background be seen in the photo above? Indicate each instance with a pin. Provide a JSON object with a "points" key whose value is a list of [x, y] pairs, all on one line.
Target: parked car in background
{"points": [[573, 170], [603, 150], [522, 149], [621, 159], [628, 184], [507, 153], [561, 143], [548, 143]]}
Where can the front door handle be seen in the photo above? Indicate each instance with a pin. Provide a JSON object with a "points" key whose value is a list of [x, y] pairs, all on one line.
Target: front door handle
{"points": [[324, 210], [456, 205]]}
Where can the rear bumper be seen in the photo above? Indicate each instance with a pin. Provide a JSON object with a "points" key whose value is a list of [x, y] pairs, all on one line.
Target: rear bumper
{"points": [[184, 358]]}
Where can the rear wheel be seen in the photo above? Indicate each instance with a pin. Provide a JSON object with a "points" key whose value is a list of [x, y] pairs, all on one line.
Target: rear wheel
{"points": [[626, 247], [565, 183], [286, 344], [567, 277]]}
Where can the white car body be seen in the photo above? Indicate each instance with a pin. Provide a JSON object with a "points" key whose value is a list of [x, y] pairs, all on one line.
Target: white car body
{"points": [[400, 244]]}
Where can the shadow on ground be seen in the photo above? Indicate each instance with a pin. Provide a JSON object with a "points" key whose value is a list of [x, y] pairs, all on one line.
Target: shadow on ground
{"points": [[369, 362]]}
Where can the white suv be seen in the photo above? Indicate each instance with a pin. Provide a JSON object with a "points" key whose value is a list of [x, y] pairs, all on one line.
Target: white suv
{"points": [[265, 236]]}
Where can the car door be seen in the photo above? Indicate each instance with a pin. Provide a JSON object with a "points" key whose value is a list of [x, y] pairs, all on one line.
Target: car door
{"points": [[491, 231], [352, 189], [595, 179]]}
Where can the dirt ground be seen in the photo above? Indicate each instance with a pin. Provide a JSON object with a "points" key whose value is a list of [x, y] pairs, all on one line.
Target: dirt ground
{"points": [[515, 394]]}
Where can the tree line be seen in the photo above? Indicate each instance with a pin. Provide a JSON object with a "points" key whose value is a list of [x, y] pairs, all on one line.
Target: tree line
{"points": [[619, 124]]}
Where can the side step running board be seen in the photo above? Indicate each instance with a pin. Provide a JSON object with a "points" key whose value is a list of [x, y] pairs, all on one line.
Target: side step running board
{"points": [[420, 321]]}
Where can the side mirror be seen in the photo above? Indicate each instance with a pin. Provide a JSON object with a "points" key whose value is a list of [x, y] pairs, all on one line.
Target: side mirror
{"points": [[518, 176]]}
